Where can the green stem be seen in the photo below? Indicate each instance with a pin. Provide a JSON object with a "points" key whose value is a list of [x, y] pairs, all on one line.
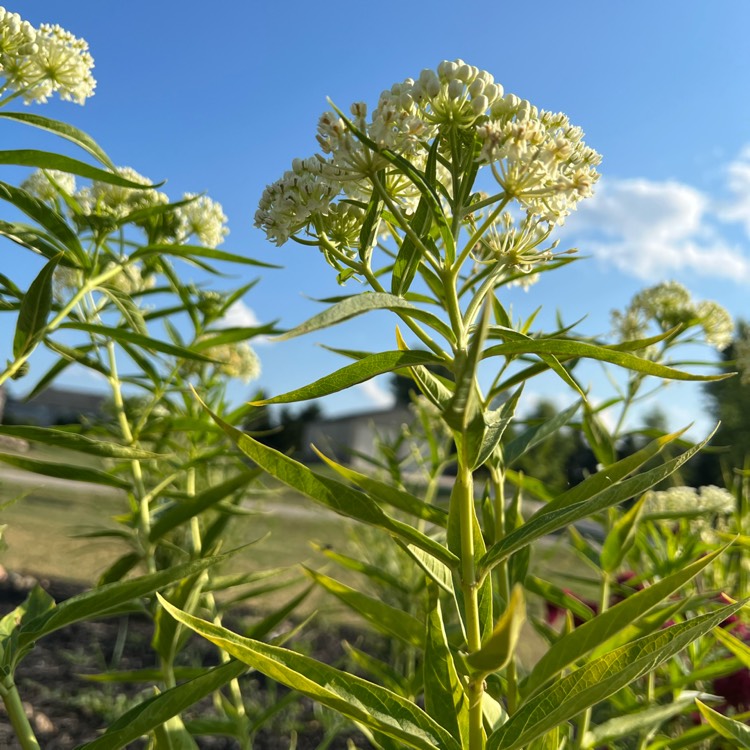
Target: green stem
{"points": [[135, 465], [464, 496], [479, 233], [17, 715]]}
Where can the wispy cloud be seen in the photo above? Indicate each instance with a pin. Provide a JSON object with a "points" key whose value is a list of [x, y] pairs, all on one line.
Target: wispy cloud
{"points": [[376, 394], [737, 207], [652, 230]]}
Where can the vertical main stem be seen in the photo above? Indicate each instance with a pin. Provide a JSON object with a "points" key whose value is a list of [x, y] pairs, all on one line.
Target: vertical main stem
{"points": [[464, 496], [17, 715]]}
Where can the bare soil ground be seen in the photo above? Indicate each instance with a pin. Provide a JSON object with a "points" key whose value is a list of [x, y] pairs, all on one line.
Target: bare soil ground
{"points": [[67, 710]]}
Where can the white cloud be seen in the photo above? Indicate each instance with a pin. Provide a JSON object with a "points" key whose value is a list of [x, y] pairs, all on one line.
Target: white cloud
{"points": [[737, 208], [652, 230], [239, 315], [376, 394]]}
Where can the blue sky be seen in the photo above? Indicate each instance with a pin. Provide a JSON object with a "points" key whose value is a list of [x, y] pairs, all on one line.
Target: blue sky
{"points": [[221, 97]]}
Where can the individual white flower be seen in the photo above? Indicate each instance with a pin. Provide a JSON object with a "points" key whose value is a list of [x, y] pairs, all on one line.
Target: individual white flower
{"points": [[202, 218], [104, 198], [44, 183], [716, 323]]}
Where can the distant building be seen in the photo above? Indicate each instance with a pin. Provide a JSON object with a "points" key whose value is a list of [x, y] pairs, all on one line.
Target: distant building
{"points": [[349, 437], [53, 406]]}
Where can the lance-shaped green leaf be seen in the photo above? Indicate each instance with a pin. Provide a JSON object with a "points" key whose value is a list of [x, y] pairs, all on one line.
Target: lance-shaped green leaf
{"points": [[153, 712], [692, 737], [393, 622], [495, 423], [389, 494], [63, 129], [726, 726], [360, 700], [64, 471], [599, 679], [610, 475], [600, 629], [100, 601], [350, 307], [598, 438], [498, 649], [635, 724], [537, 434], [31, 238], [145, 342], [74, 442], [188, 252], [621, 537], [178, 513], [48, 160], [368, 235], [444, 696], [564, 348], [375, 573], [363, 369], [546, 522], [45, 216], [231, 336], [333, 494], [34, 311], [410, 254], [739, 648]]}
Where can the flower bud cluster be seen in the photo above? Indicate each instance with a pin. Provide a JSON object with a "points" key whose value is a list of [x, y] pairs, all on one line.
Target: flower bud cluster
{"points": [[538, 157], [38, 63], [677, 501], [130, 279], [45, 184], [457, 94], [515, 247], [237, 360], [106, 199], [669, 304], [202, 218]]}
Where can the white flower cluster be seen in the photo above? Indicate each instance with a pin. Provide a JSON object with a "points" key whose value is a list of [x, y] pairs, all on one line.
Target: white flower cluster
{"points": [[538, 158], [237, 360], [202, 218], [37, 63], [106, 199], [515, 247], [44, 183], [668, 305], [130, 279], [678, 501]]}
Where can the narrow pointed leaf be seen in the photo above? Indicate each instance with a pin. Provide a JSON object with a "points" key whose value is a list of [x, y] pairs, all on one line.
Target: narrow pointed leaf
{"points": [[444, 696], [363, 369], [562, 347], [333, 494], [546, 522], [587, 637], [362, 701], [34, 311], [153, 712], [74, 442], [64, 471], [726, 726], [389, 494], [621, 537], [389, 620], [196, 251], [99, 601], [599, 679], [63, 129], [350, 307]]}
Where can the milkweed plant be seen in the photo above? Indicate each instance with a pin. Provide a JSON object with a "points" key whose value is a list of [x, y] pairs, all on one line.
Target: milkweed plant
{"points": [[431, 205]]}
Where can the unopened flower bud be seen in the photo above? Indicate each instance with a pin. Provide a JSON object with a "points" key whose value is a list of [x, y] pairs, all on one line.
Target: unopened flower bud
{"points": [[455, 89], [479, 105]]}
